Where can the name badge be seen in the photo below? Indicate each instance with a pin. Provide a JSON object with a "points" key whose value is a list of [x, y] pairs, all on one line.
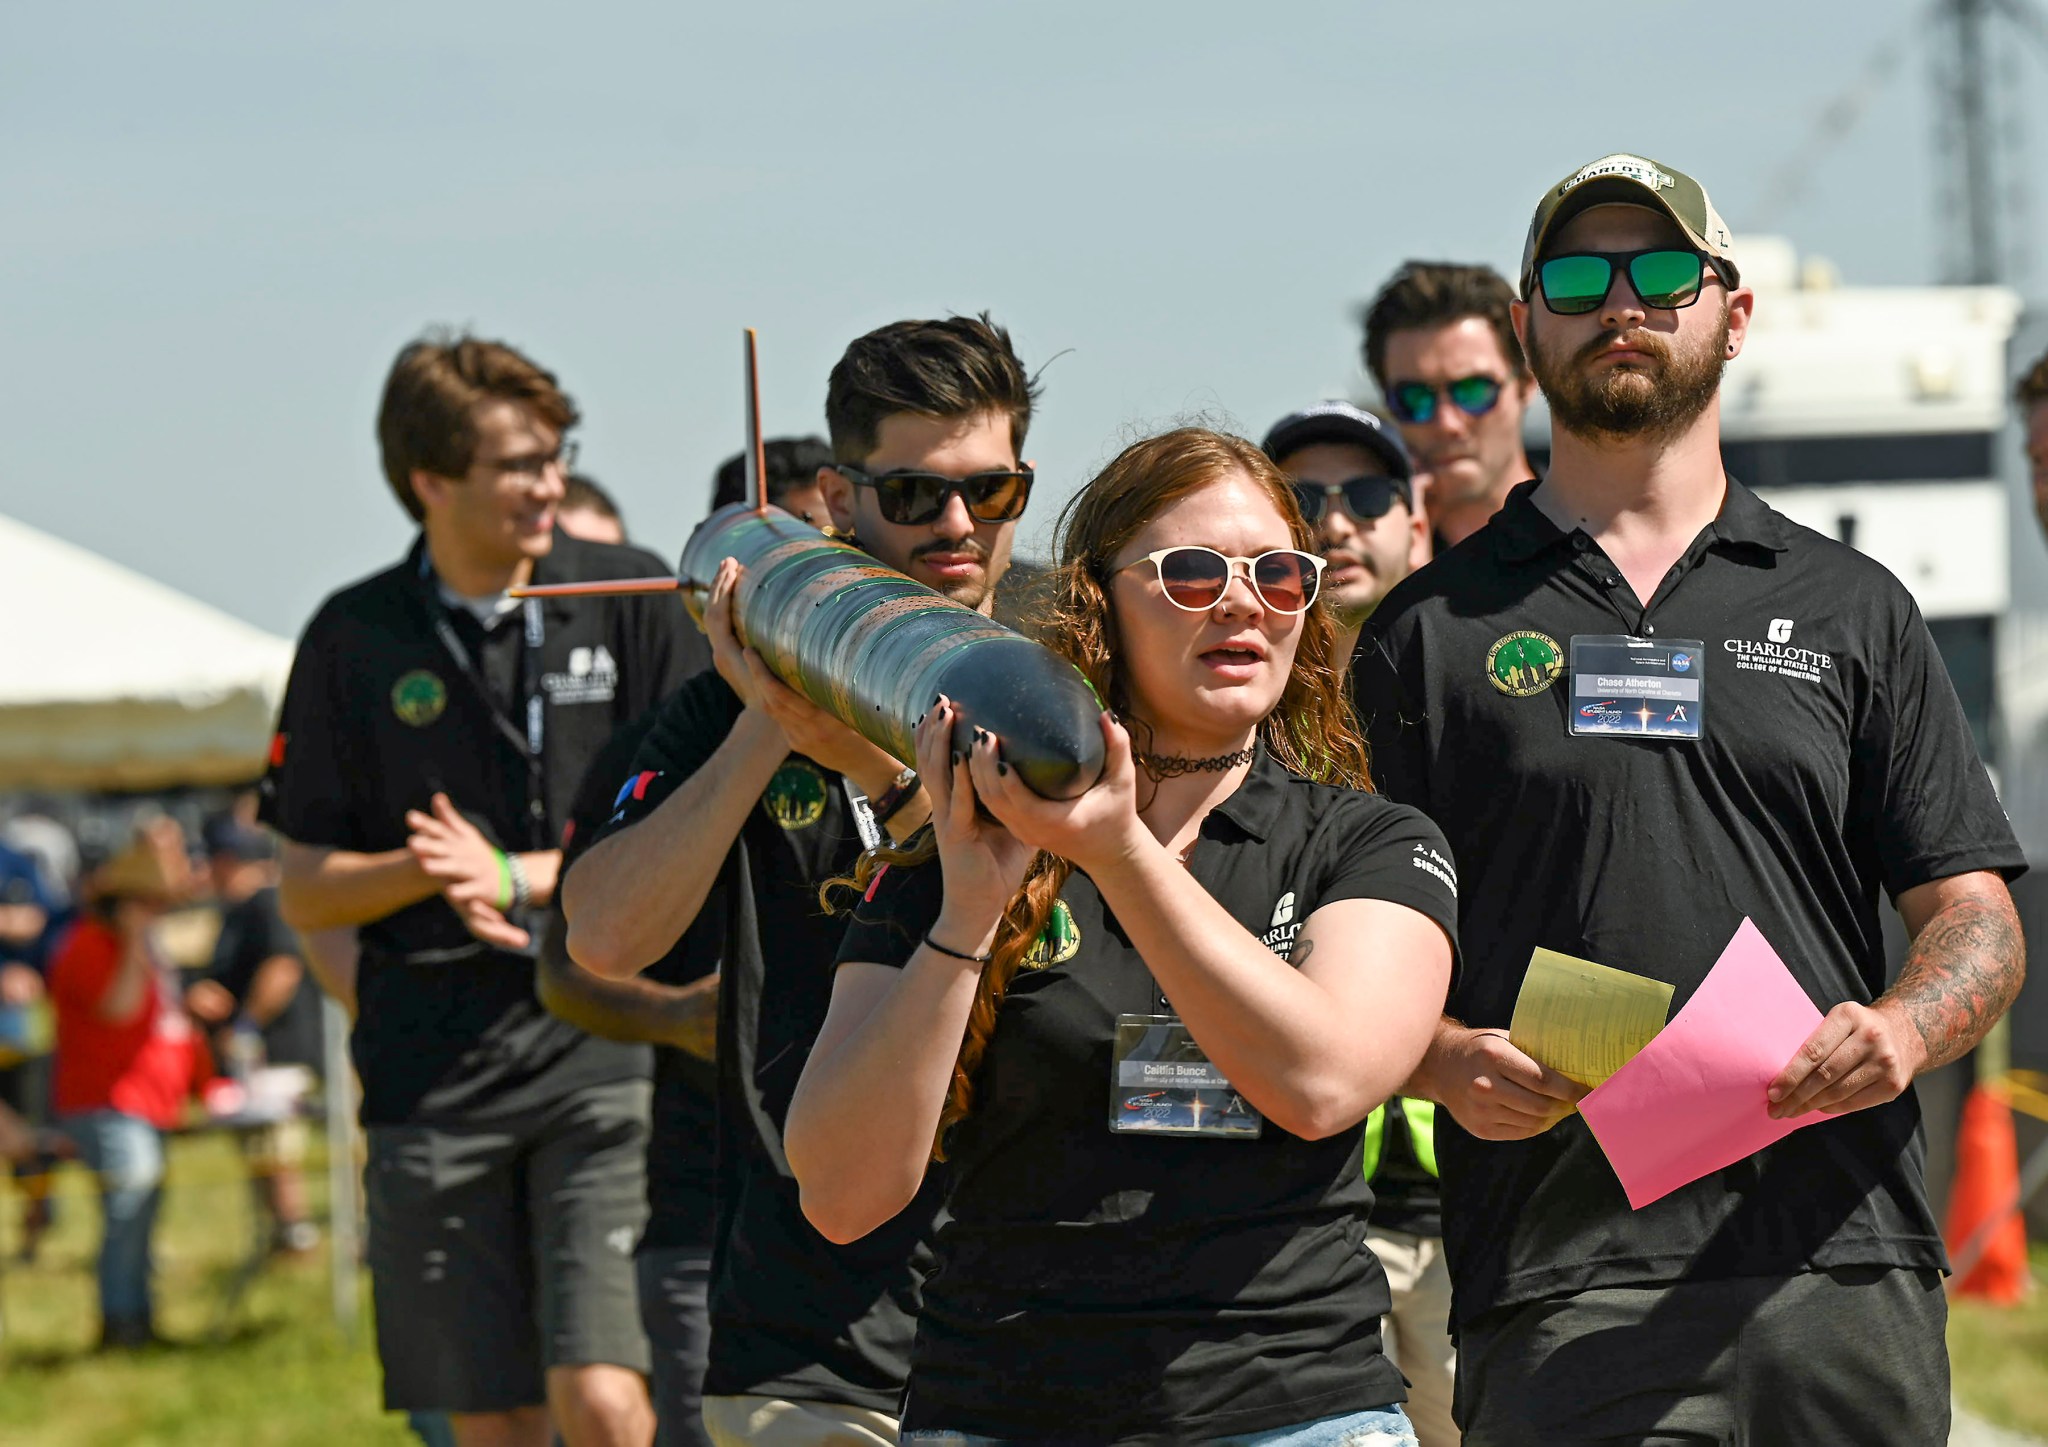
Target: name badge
{"points": [[1638, 687], [1162, 1084]]}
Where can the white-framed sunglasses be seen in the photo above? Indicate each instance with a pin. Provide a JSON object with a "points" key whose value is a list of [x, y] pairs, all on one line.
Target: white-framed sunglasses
{"points": [[1196, 578]]}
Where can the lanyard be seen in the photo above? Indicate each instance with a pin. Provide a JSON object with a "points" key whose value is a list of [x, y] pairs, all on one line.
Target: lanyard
{"points": [[863, 815], [529, 742]]}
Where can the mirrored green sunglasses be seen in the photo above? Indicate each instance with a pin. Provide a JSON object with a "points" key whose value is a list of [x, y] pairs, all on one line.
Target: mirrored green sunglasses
{"points": [[1664, 279]]}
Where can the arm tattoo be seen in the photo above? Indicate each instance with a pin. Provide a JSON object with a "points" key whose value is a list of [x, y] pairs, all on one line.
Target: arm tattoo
{"points": [[1962, 972], [1301, 953]]}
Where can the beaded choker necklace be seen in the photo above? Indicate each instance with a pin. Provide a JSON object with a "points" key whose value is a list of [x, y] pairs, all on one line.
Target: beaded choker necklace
{"points": [[1169, 766]]}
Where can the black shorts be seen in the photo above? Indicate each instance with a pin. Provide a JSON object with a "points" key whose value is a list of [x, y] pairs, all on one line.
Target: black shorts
{"points": [[1851, 1357], [675, 1283], [500, 1250]]}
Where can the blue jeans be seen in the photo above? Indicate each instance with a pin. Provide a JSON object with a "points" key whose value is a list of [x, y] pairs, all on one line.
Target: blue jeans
{"points": [[128, 1153], [1374, 1427]]}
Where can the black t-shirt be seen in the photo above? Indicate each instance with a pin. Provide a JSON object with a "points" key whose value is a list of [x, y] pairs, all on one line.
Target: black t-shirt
{"points": [[1835, 760], [378, 715], [251, 932], [792, 1315], [1102, 1287], [681, 1142]]}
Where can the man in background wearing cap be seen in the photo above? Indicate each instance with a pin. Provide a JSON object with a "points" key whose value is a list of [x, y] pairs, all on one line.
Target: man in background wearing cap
{"points": [[1439, 343], [1773, 739], [1355, 485], [262, 1009]]}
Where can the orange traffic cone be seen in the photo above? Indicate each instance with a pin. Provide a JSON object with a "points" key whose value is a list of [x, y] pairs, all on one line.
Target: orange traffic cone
{"points": [[1987, 1236]]}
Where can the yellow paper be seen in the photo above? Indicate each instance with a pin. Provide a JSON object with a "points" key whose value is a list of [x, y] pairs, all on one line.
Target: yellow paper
{"points": [[1583, 1020]]}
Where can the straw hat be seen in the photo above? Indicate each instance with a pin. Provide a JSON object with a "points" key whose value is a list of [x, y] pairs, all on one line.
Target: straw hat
{"points": [[153, 865]]}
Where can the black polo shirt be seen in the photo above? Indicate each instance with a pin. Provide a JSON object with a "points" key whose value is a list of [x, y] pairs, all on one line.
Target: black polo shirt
{"points": [[683, 1121], [379, 715], [1103, 1287], [253, 932], [792, 1315], [1835, 762]]}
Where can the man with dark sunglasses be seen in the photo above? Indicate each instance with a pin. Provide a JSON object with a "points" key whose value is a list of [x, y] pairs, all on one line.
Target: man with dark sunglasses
{"points": [[1439, 345], [741, 802], [1647, 711], [1353, 480]]}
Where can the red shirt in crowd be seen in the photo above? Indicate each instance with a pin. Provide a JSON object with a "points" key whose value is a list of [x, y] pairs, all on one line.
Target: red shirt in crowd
{"points": [[145, 1065]]}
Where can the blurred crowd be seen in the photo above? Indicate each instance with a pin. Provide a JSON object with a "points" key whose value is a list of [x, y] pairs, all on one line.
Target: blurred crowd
{"points": [[148, 985]]}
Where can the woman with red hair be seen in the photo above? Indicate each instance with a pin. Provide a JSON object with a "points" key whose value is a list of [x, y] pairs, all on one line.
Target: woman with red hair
{"points": [[1144, 1025]]}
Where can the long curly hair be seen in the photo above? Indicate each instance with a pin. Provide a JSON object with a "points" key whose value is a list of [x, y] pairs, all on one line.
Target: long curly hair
{"points": [[1311, 731]]}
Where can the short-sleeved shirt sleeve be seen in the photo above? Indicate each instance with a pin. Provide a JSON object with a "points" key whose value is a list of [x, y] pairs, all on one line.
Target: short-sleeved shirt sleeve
{"points": [[306, 795], [1378, 850], [900, 903], [1922, 795], [687, 730]]}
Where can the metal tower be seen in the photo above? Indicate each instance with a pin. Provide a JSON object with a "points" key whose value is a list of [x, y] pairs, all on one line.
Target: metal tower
{"points": [[1978, 143]]}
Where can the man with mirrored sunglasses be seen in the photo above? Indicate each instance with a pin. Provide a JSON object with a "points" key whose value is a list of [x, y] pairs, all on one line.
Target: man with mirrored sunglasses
{"points": [[1440, 346], [743, 799], [1650, 713]]}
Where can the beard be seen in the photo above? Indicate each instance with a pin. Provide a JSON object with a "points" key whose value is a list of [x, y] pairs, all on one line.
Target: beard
{"points": [[1652, 400]]}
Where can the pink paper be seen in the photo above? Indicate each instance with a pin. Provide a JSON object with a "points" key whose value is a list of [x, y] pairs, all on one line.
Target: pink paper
{"points": [[1692, 1101]]}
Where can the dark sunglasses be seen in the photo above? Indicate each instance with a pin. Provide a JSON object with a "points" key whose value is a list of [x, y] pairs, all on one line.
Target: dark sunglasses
{"points": [[1664, 279], [1365, 498], [918, 497], [1196, 579], [1416, 401]]}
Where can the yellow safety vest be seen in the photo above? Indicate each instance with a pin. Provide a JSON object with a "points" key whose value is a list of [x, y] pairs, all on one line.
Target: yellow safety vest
{"points": [[1420, 1116]]}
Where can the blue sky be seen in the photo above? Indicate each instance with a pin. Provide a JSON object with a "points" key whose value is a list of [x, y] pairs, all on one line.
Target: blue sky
{"points": [[221, 220]]}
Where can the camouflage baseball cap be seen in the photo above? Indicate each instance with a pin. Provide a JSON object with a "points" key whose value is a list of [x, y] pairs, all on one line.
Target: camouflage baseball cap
{"points": [[1630, 180]]}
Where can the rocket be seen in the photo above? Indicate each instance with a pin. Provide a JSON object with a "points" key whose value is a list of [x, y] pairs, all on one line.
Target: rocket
{"points": [[874, 648]]}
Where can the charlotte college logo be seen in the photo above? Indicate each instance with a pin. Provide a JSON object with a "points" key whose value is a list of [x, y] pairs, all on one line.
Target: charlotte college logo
{"points": [[1780, 630]]}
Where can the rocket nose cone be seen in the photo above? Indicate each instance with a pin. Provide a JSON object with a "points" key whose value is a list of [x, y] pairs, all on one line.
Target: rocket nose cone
{"points": [[1039, 706]]}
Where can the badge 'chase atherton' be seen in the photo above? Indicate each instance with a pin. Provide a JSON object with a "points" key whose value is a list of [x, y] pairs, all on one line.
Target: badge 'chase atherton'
{"points": [[796, 795], [1524, 663], [418, 698]]}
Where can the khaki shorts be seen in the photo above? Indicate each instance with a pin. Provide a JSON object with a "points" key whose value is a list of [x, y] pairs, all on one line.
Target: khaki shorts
{"points": [[275, 1147], [774, 1422]]}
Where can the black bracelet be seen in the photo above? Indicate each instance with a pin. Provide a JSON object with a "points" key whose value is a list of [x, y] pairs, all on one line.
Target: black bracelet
{"points": [[932, 944], [895, 796]]}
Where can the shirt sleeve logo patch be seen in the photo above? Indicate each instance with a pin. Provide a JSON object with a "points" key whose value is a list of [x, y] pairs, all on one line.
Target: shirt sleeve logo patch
{"points": [[1524, 663], [1057, 943], [796, 795], [635, 787], [418, 698]]}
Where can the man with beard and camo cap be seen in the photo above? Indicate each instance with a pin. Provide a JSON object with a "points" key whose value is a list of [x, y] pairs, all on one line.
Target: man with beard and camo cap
{"points": [[1645, 708]]}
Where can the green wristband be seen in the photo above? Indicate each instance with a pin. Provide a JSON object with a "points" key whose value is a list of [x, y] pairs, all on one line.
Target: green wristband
{"points": [[506, 893]]}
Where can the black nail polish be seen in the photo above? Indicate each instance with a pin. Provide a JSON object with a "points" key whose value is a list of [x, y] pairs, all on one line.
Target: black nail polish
{"points": [[920, 722], [1002, 768]]}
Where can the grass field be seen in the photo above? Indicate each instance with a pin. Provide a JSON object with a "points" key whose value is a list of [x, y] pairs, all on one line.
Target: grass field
{"points": [[280, 1373]]}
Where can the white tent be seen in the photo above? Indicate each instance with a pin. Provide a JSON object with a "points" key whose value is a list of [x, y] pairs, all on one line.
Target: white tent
{"points": [[110, 680]]}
